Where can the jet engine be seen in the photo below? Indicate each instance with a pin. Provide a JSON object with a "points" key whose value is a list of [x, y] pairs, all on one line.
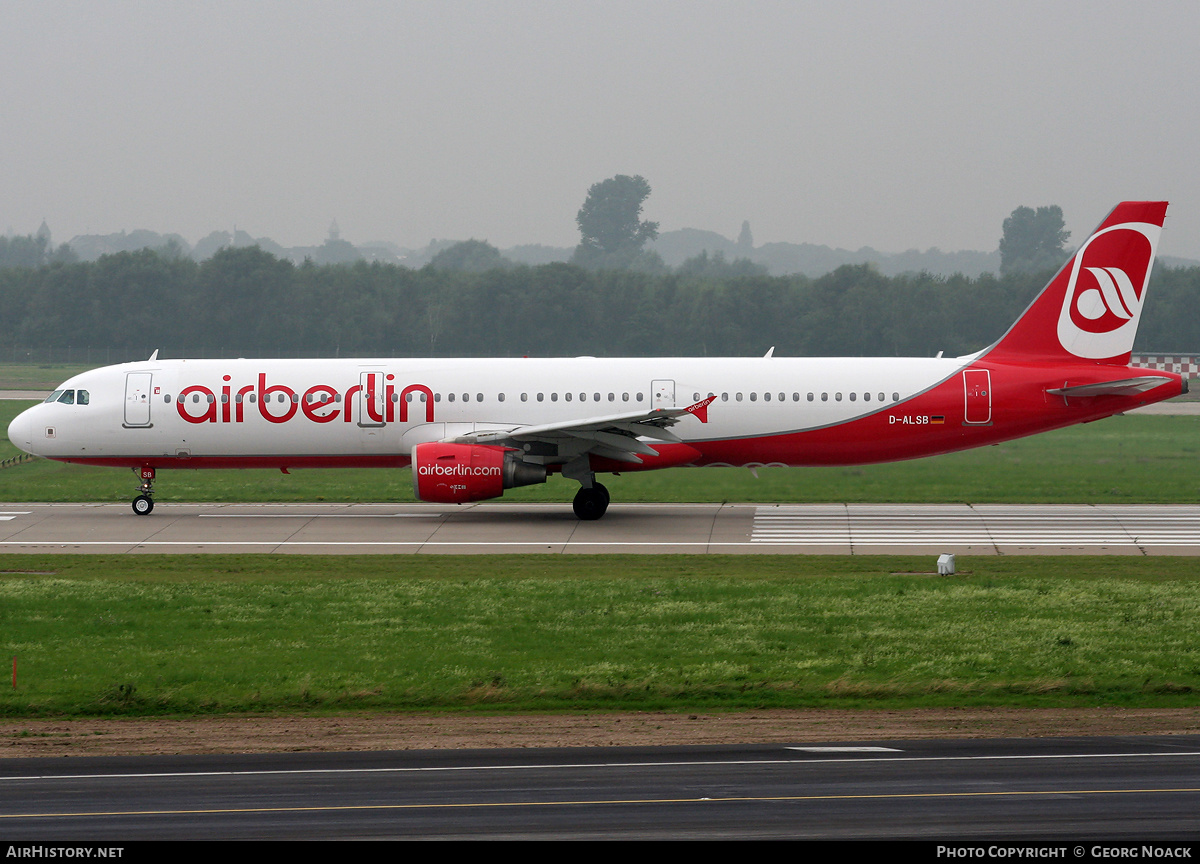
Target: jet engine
{"points": [[457, 473]]}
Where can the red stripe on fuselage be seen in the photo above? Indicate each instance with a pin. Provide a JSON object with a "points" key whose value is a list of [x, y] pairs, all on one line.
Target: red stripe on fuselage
{"points": [[1020, 406]]}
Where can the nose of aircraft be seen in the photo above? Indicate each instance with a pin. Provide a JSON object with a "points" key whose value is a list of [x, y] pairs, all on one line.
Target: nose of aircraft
{"points": [[20, 430]]}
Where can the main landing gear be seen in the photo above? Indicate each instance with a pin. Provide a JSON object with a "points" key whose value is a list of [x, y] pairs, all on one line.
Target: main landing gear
{"points": [[590, 502], [143, 504], [592, 498]]}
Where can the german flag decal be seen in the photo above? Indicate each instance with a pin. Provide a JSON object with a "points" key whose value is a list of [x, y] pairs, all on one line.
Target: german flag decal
{"points": [[937, 418]]}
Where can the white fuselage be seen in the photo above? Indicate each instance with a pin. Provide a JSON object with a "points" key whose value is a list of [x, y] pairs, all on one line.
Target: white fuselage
{"points": [[232, 408]]}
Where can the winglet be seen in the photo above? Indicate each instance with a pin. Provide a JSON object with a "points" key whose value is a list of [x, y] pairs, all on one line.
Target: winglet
{"points": [[154, 356], [700, 409]]}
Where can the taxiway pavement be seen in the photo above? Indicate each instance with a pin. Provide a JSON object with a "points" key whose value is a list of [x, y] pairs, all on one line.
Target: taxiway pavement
{"points": [[1143, 789], [984, 529]]}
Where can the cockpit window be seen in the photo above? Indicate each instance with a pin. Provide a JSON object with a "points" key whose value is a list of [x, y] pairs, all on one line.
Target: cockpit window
{"points": [[69, 397]]}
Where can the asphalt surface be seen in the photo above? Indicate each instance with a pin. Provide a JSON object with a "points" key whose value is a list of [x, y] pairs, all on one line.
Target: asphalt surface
{"points": [[1087, 790], [991, 529]]}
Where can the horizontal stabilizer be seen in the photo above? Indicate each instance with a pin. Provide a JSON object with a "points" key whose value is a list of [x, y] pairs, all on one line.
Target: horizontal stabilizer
{"points": [[1124, 387]]}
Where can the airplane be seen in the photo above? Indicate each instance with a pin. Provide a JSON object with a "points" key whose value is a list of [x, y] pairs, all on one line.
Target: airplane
{"points": [[471, 428]]}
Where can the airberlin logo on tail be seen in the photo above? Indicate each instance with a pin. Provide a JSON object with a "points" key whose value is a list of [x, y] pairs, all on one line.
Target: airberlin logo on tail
{"points": [[1103, 300], [1115, 296]]}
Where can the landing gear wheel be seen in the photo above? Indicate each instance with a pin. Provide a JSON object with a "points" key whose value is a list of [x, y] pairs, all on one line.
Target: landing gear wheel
{"points": [[590, 503], [142, 505]]}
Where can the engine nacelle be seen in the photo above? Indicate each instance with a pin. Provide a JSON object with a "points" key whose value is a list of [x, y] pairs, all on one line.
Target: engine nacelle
{"points": [[457, 473]]}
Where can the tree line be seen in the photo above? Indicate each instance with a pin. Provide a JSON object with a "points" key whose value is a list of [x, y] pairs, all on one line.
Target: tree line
{"points": [[245, 301]]}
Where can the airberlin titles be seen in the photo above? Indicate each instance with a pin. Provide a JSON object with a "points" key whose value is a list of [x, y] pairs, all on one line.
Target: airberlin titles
{"points": [[320, 403]]}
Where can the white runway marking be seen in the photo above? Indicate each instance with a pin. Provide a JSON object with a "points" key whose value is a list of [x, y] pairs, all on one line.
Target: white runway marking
{"points": [[9, 515], [847, 749], [981, 525], [553, 766]]}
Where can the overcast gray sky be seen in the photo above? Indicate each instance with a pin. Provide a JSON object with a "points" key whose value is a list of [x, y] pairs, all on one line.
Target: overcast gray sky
{"points": [[895, 125]]}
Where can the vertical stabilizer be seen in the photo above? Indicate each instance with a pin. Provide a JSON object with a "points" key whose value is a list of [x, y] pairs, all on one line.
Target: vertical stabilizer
{"points": [[1090, 309]]}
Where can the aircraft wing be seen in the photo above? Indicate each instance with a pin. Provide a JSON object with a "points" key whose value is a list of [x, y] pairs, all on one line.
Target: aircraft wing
{"points": [[613, 435]]}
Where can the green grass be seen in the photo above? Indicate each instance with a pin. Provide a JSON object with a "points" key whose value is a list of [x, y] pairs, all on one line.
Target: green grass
{"points": [[32, 376], [99, 635], [1131, 459]]}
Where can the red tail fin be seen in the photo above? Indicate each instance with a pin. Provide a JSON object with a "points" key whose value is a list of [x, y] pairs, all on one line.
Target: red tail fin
{"points": [[1091, 308]]}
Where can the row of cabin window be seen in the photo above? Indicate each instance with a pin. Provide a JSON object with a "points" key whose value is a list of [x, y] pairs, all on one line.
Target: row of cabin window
{"points": [[782, 397], [323, 398], [69, 397]]}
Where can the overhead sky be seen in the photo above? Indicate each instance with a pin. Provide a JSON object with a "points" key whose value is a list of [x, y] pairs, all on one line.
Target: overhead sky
{"points": [[891, 124]]}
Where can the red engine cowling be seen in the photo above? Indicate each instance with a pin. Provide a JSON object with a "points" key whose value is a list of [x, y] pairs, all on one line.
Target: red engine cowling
{"points": [[457, 473]]}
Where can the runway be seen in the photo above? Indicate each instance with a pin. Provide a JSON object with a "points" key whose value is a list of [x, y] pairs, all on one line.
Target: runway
{"points": [[1144, 789], [841, 529]]}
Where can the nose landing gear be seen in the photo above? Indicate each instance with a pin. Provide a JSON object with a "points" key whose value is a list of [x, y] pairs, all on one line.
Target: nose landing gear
{"points": [[143, 504]]}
